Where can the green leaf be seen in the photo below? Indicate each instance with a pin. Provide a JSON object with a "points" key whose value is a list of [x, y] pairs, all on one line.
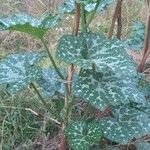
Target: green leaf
{"points": [[50, 82], [33, 73], [104, 4], [29, 24], [135, 39], [81, 135], [85, 2], [103, 89], [128, 123], [68, 5], [142, 145], [19, 69], [89, 48]]}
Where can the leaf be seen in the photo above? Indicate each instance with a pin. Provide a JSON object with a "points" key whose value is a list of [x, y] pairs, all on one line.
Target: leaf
{"points": [[127, 124], [29, 24], [85, 2], [32, 74], [104, 4], [135, 39], [141, 145], [104, 89], [81, 134], [68, 5], [91, 49], [50, 82], [19, 69]]}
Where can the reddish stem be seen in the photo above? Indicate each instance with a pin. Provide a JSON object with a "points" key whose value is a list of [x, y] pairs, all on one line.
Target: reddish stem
{"points": [[118, 6], [146, 45]]}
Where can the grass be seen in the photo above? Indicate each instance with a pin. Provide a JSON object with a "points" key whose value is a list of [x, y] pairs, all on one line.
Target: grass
{"points": [[24, 122], [23, 119]]}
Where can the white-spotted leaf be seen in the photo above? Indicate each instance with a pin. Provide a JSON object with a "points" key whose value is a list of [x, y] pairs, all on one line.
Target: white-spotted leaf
{"points": [[18, 69], [135, 40], [80, 135], [104, 89], [128, 123], [32, 74], [68, 5], [91, 48], [28, 24], [50, 82]]}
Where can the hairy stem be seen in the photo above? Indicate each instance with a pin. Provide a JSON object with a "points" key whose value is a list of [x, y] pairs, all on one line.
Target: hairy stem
{"points": [[52, 60]]}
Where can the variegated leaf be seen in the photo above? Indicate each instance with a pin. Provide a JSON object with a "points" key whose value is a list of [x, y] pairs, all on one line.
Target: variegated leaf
{"points": [[91, 49], [81, 134], [128, 123], [103, 89], [142, 145], [135, 40], [50, 82], [32, 74], [18, 69], [28, 24], [68, 5]]}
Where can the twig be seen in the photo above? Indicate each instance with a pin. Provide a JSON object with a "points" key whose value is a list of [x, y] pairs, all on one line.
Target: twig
{"points": [[44, 102]]}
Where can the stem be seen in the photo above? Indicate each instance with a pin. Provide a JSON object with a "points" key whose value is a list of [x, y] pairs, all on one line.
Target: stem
{"points": [[93, 14], [52, 60], [148, 2], [110, 34], [68, 86], [119, 21], [76, 20], [146, 45], [44, 102], [83, 19]]}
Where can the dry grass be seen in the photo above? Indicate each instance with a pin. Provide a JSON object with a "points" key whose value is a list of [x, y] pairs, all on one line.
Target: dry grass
{"points": [[132, 10]]}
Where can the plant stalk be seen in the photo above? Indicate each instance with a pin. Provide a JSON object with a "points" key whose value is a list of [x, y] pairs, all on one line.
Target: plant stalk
{"points": [[146, 45], [119, 21], [52, 60], [93, 14], [44, 102], [119, 3], [83, 19]]}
